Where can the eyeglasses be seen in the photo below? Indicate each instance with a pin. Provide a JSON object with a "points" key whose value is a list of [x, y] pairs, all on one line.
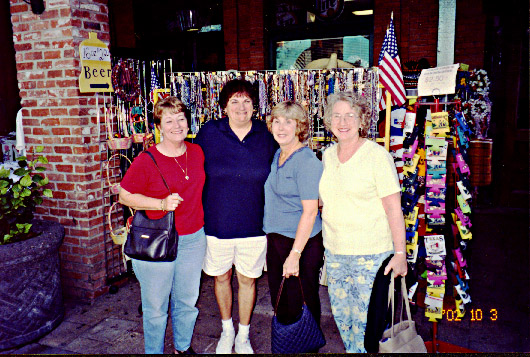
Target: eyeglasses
{"points": [[338, 117]]}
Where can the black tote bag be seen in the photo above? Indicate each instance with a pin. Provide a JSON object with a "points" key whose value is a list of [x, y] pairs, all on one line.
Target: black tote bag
{"points": [[153, 240]]}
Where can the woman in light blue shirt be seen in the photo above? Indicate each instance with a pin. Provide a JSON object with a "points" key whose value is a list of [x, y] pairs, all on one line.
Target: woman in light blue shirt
{"points": [[292, 221]]}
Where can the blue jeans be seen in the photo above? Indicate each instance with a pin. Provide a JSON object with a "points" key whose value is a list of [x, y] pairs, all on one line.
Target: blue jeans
{"points": [[180, 279], [350, 282]]}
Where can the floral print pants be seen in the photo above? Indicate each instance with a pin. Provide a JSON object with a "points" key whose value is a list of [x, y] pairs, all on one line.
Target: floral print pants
{"points": [[350, 281]]}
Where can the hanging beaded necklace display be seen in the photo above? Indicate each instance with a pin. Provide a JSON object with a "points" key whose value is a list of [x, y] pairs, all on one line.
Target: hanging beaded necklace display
{"points": [[289, 88], [262, 97], [200, 92], [373, 79], [349, 81], [184, 172], [173, 85], [330, 85]]}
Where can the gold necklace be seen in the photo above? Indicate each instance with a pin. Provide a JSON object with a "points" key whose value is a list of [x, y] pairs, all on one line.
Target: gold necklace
{"points": [[184, 172]]}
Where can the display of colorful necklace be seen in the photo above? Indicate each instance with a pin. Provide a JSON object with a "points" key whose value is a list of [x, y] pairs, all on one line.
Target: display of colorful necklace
{"points": [[200, 91]]}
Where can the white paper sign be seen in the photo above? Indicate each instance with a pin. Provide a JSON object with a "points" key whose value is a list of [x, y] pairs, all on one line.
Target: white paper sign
{"points": [[93, 53], [437, 81]]}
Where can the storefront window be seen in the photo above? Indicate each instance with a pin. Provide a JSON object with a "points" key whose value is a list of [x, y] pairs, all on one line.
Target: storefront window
{"points": [[302, 32], [297, 54]]}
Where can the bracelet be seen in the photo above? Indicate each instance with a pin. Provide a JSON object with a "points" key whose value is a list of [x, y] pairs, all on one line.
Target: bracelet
{"points": [[400, 252], [299, 252], [162, 204]]}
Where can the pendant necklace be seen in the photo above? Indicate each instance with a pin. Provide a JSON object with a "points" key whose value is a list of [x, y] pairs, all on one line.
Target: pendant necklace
{"points": [[184, 172]]}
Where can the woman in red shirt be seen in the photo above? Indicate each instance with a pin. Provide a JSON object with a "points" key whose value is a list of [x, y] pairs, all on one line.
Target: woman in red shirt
{"points": [[182, 165]]}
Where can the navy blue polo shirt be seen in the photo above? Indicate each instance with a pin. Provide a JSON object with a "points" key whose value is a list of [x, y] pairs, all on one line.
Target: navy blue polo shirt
{"points": [[236, 171]]}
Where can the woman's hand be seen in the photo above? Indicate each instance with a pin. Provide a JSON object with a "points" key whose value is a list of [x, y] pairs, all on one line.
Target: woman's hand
{"points": [[398, 264], [291, 267], [171, 202]]}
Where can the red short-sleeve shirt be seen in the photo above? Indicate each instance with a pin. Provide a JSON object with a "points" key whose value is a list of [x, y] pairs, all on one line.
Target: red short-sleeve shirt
{"points": [[143, 177]]}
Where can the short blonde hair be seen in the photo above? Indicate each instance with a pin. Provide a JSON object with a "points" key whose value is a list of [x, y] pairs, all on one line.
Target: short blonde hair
{"points": [[291, 110], [356, 101]]}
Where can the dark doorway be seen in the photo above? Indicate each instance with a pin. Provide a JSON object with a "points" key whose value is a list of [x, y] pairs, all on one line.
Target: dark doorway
{"points": [[9, 93]]}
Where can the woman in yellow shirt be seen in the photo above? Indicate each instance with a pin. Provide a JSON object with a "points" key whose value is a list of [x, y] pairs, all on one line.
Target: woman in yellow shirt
{"points": [[361, 216]]}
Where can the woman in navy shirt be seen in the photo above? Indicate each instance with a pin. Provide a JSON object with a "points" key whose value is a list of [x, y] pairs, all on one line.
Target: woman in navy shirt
{"points": [[292, 221], [238, 153]]}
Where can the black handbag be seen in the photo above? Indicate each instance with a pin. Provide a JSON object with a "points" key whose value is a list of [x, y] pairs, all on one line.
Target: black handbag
{"points": [[154, 240], [301, 336]]}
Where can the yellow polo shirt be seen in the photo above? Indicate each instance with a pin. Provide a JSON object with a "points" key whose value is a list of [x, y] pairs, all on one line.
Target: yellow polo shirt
{"points": [[354, 221]]}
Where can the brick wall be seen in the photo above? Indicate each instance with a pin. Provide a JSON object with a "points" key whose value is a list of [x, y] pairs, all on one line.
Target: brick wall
{"points": [[243, 27], [63, 120], [470, 33], [416, 25], [415, 22]]}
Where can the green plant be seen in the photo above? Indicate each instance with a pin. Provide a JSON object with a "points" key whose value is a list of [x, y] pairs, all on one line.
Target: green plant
{"points": [[20, 197]]}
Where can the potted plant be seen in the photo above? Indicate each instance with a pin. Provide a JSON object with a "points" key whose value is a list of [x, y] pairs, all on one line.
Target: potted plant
{"points": [[31, 296]]}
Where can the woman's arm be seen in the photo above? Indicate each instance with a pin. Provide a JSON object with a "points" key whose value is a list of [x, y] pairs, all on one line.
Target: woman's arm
{"points": [[305, 226], [392, 206], [142, 202]]}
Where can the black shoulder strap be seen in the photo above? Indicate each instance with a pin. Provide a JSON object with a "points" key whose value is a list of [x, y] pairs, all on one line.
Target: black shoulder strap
{"points": [[153, 158]]}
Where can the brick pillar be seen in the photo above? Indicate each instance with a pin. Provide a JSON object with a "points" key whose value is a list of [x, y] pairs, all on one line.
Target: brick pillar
{"points": [[243, 27], [63, 120]]}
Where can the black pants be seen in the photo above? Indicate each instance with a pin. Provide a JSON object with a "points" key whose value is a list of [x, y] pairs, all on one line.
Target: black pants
{"points": [[290, 306]]}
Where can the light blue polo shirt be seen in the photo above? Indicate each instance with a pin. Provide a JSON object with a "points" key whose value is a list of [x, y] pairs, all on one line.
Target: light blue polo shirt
{"points": [[287, 185]]}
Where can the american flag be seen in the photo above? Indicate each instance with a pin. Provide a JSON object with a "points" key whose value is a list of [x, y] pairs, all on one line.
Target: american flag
{"points": [[390, 69], [155, 84]]}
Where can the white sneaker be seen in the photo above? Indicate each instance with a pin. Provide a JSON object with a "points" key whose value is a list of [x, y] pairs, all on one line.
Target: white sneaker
{"points": [[243, 346], [224, 346]]}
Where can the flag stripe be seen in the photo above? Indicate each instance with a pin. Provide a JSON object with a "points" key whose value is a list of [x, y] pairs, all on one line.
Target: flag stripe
{"points": [[391, 75], [393, 81], [394, 68], [394, 85]]}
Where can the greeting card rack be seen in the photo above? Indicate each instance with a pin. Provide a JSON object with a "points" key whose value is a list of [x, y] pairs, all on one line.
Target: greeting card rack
{"points": [[430, 143]]}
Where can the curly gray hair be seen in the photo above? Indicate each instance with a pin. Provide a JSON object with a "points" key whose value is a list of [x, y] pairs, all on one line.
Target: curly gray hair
{"points": [[356, 101]]}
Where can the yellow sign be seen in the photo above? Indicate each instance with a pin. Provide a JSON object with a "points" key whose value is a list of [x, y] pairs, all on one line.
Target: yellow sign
{"points": [[96, 69]]}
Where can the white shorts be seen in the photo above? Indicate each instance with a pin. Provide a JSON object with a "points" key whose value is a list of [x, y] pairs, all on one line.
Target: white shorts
{"points": [[247, 254]]}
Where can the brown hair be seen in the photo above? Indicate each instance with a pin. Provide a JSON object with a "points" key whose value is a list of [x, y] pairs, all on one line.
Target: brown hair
{"points": [[172, 105], [291, 110], [236, 86]]}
